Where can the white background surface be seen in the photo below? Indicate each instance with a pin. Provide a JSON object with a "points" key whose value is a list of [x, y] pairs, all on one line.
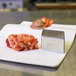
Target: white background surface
{"points": [[36, 57]]}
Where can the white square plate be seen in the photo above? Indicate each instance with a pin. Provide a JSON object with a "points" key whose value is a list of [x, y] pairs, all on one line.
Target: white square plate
{"points": [[35, 57]]}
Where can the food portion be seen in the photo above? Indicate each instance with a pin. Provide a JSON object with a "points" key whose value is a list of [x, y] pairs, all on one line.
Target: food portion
{"points": [[42, 23], [22, 42]]}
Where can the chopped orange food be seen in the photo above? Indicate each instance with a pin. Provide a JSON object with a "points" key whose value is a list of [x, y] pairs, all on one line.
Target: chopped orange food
{"points": [[21, 42]]}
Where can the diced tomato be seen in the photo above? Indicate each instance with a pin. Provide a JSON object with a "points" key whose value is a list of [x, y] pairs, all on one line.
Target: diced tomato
{"points": [[44, 19], [21, 42], [36, 47], [8, 45]]}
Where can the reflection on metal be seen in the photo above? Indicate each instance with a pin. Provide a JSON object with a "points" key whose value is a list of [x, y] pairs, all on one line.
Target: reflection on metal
{"points": [[67, 37], [53, 40]]}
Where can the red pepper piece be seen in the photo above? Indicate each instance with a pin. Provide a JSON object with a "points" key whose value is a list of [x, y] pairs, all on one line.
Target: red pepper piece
{"points": [[51, 22], [47, 22], [44, 19]]}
